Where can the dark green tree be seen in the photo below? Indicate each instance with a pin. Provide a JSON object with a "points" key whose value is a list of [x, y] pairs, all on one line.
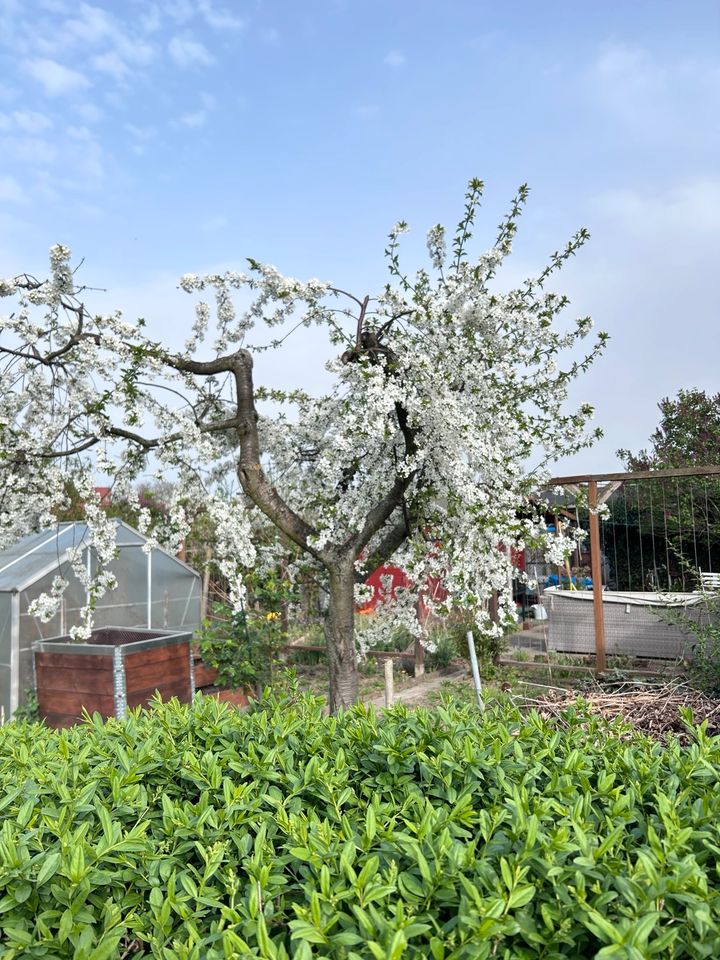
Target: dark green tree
{"points": [[677, 520]]}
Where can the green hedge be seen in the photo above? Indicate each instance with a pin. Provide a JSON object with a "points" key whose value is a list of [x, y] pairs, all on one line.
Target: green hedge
{"points": [[198, 832]]}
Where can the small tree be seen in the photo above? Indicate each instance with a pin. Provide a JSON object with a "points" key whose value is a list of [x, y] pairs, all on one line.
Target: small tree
{"points": [[444, 387], [688, 435]]}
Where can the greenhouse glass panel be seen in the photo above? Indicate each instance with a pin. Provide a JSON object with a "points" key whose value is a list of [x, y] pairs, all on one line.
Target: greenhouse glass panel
{"points": [[175, 593], [126, 605]]}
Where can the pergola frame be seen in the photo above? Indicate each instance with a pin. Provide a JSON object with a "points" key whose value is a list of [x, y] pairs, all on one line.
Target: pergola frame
{"points": [[596, 497]]}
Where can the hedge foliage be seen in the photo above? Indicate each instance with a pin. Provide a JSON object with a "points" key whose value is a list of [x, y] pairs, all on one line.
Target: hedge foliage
{"points": [[196, 833]]}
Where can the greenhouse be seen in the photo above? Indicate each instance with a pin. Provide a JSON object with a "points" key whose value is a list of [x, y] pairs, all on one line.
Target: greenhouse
{"points": [[154, 590]]}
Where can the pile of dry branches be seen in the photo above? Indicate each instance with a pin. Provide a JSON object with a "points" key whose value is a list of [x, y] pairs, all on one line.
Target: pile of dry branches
{"points": [[654, 709]]}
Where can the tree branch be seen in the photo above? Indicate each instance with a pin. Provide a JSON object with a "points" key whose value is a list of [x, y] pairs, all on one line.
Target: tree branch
{"points": [[250, 472], [392, 541]]}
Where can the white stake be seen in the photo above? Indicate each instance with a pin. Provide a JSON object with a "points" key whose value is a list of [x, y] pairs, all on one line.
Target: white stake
{"points": [[475, 670]]}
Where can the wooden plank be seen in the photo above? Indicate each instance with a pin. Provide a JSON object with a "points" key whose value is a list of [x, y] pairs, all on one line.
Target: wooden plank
{"points": [[72, 703], [142, 697], [141, 675], [205, 676], [174, 688], [77, 661], [70, 681], [60, 721], [159, 655], [708, 471], [236, 697]]}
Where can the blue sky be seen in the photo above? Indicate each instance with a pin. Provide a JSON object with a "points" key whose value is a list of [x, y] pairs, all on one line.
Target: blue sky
{"points": [[182, 135]]}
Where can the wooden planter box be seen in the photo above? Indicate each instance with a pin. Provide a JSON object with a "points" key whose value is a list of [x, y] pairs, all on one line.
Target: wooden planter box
{"points": [[119, 667], [206, 683], [238, 698]]}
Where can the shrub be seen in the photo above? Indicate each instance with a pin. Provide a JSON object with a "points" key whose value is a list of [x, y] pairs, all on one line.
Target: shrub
{"points": [[449, 638], [702, 623], [199, 833], [704, 668], [243, 647]]}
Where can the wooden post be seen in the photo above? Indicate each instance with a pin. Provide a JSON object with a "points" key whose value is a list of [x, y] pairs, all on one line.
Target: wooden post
{"points": [[419, 659], [596, 569], [389, 691]]}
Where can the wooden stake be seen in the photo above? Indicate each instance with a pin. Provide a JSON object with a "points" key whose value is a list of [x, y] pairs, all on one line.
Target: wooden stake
{"points": [[419, 659], [596, 568], [389, 689]]}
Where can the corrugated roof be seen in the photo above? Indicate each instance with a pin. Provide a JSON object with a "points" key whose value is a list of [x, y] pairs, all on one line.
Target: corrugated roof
{"points": [[32, 556]]}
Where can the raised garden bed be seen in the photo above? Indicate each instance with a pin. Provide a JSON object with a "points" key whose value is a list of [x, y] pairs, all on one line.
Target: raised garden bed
{"points": [[206, 682], [117, 668], [634, 622]]}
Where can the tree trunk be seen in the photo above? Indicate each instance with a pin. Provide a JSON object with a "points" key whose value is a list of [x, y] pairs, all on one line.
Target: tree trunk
{"points": [[340, 638]]}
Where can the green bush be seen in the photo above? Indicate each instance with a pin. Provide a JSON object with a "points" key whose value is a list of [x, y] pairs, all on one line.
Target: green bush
{"points": [[704, 668], [702, 624], [242, 646], [450, 641], [200, 833]]}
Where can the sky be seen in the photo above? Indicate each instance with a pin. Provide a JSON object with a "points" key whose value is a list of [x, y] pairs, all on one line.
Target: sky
{"points": [[159, 138]]}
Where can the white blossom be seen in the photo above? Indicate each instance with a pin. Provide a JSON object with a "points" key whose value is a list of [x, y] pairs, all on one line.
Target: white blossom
{"points": [[444, 388]]}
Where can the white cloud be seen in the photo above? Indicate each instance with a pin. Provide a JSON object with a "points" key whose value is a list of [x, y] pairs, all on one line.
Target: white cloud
{"points": [[193, 120], [79, 133], [112, 64], [631, 67], [689, 209], [141, 133], [659, 102], [25, 121], [55, 6], [56, 79], [188, 53], [30, 151], [220, 18], [89, 112], [11, 191], [114, 46], [141, 137], [395, 59], [648, 277], [150, 20], [30, 121], [90, 25], [181, 11]]}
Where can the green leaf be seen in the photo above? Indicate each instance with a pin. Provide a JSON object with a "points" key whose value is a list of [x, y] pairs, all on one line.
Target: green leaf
{"points": [[77, 870], [25, 812], [66, 925], [397, 945], [48, 868], [520, 896], [106, 821]]}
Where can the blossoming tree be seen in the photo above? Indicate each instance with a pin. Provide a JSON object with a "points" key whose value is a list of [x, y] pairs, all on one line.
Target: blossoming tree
{"points": [[443, 388]]}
